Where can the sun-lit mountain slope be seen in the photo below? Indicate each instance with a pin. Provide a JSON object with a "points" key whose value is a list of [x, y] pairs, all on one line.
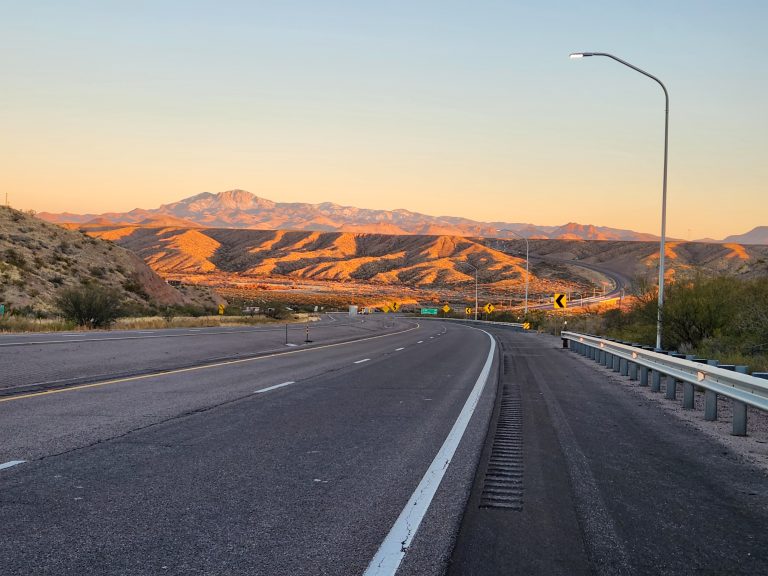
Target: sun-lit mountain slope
{"points": [[413, 260]]}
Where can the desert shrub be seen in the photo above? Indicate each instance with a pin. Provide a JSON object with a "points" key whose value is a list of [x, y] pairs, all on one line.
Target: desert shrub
{"points": [[13, 256], [713, 317], [169, 314], [133, 284], [91, 305]]}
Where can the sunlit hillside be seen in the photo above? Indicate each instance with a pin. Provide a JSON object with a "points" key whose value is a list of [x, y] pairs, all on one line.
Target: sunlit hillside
{"points": [[421, 261]]}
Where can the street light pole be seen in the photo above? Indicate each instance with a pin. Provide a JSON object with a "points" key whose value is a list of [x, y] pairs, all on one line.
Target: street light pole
{"points": [[527, 264], [475, 267], [662, 249]]}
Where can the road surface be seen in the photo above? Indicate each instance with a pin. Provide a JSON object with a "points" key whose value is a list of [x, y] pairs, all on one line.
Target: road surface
{"points": [[291, 462], [303, 460]]}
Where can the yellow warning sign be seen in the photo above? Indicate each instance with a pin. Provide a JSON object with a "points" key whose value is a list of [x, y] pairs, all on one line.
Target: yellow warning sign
{"points": [[395, 306], [446, 308], [467, 311], [526, 325], [560, 301], [488, 308], [221, 309]]}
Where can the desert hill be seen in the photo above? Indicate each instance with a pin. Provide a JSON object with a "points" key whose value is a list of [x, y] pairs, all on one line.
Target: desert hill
{"points": [[758, 235], [241, 209], [418, 261], [640, 259], [38, 258], [415, 260]]}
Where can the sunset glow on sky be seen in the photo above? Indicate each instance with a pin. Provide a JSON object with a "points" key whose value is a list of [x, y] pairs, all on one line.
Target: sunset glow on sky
{"points": [[444, 107]]}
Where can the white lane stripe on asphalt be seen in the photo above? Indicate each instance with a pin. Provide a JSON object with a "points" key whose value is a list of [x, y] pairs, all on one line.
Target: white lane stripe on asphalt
{"points": [[361, 361], [11, 463], [420, 342], [392, 550], [275, 387], [398, 349]]}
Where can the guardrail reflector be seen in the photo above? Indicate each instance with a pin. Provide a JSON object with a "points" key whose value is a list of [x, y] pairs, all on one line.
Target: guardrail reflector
{"points": [[700, 376], [634, 355]]}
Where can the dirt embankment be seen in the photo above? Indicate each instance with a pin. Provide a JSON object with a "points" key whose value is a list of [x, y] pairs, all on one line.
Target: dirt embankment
{"points": [[37, 259]]}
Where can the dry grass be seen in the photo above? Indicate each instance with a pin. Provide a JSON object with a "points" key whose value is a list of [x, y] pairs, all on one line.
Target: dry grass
{"points": [[156, 322], [22, 324]]}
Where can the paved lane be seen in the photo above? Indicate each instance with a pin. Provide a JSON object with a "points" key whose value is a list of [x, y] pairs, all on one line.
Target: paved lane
{"points": [[50, 360], [293, 464], [612, 484]]}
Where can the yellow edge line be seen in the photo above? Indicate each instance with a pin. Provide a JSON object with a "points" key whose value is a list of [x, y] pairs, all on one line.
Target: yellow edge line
{"points": [[195, 368]]}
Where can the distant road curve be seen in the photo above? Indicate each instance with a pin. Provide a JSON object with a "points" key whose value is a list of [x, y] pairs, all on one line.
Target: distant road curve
{"points": [[620, 281]]}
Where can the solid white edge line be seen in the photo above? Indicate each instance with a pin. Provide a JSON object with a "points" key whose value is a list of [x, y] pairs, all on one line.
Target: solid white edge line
{"points": [[361, 361], [11, 463], [274, 387], [395, 545]]}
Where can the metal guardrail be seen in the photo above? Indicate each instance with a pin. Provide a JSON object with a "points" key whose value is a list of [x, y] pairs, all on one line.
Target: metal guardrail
{"points": [[648, 365], [477, 322]]}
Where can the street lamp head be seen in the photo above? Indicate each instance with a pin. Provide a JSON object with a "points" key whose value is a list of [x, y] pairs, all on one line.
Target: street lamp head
{"points": [[581, 54]]}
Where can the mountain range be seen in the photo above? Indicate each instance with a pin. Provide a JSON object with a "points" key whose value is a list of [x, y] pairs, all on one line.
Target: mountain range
{"points": [[241, 209]]}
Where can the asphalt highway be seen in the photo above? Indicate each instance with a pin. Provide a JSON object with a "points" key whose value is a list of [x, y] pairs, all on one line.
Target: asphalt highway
{"points": [[34, 361], [610, 482], [391, 446], [297, 461]]}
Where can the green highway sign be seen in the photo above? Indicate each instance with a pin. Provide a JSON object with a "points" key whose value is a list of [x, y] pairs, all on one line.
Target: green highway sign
{"points": [[429, 311]]}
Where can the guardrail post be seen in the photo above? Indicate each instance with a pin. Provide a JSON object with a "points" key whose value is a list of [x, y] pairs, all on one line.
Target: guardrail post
{"points": [[671, 387], [739, 411], [710, 405], [710, 399], [632, 371], [739, 418], [616, 363], [623, 367], [671, 382], [656, 382], [688, 398], [643, 376]]}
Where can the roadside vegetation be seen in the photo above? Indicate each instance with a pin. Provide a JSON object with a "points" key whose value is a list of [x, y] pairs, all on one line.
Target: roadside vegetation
{"points": [[95, 306], [723, 318]]}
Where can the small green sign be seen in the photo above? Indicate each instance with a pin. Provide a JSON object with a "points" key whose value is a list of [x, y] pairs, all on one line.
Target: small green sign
{"points": [[2, 309], [429, 311]]}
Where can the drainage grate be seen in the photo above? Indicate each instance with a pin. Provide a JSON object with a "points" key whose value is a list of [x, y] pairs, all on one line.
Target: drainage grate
{"points": [[503, 484], [507, 364]]}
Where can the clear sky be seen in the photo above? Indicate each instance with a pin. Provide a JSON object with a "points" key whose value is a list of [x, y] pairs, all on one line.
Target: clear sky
{"points": [[438, 106]]}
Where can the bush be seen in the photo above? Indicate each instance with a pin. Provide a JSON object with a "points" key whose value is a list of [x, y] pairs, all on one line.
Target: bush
{"points": [[16, 258], [92, 306]]}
